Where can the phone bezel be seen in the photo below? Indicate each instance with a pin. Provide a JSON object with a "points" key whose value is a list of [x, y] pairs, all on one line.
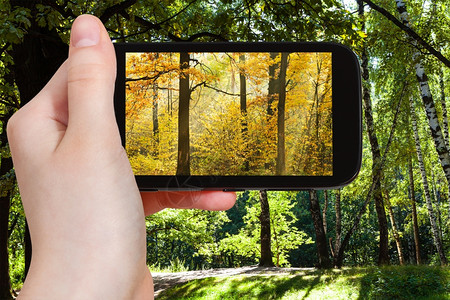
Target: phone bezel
{"points": [[347, 120]]}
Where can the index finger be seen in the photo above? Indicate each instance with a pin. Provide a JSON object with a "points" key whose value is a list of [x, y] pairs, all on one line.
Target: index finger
{"points": [[207, 200]]}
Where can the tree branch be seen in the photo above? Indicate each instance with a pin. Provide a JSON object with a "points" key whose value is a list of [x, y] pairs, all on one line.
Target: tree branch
{"points": [[63, 10], [411, 33], [178, 13], [110, 11], [149, 25], [208, 34]]}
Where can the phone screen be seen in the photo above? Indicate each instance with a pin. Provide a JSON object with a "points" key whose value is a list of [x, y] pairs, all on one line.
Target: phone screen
{"points": [[229, 113]]}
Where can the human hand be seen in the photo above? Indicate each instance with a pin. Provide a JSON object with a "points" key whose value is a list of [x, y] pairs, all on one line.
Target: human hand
{"points": [[84, 210]]}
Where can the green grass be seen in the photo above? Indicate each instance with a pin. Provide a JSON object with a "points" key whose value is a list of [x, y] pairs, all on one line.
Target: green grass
{"points": [[410, 282]]}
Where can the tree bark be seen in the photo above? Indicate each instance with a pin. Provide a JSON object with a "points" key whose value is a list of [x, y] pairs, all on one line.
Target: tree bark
{"points": [[281, 151], [324, 212], [395, 230], [321, 239], [155, 111], [273, 84], [243, 108], [264, 218], [183, 164], [427, 99], [414, 213], [338, 226], [444, 108], [383, 255], [434, 230]]}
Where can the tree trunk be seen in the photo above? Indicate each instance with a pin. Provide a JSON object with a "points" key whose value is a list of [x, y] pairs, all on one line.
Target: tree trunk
{"points": [[383, 255], [444, 108], [414, 212], [324, 212], [243, 108], [427, 99], [155, 110], [273, 84], [321, 239], [395, 230], [338, 260], [183, 165], [281, 152], [337, 241], [434, 230], [264, 218]]}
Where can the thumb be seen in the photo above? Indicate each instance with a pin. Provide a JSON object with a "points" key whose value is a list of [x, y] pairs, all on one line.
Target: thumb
{"points": [[91, 79]]}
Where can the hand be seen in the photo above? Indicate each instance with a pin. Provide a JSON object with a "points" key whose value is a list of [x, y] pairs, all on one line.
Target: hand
{"points": [[84, 210]]}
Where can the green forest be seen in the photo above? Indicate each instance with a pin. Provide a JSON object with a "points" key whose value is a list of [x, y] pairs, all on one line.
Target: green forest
{"points": [[396, 212], [247, 113]]}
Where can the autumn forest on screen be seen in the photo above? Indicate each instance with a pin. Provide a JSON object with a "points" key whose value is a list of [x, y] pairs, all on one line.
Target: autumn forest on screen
{"points": [[242, 113]]}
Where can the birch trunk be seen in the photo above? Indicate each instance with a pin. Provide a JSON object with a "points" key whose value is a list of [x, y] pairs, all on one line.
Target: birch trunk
{"points": [[444, 108], [434, 230], [427, 99], [414, 213]]}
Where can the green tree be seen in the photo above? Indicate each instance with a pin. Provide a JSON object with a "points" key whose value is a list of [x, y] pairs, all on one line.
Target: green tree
{"points": [[285, 236]]}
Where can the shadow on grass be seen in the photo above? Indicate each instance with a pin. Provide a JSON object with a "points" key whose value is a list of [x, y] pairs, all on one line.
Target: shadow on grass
{"points": [[408, 282], [246, 287]]}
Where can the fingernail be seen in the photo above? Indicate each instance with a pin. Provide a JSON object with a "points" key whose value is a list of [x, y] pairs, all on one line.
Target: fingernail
{"points": [[85, 32]]}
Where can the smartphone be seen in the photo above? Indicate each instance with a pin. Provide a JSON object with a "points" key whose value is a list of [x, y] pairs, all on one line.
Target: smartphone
{"points": [[238, 116]]}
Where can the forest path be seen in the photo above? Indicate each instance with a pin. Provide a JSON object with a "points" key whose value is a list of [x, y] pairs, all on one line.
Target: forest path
{"points": [[163, 281]]}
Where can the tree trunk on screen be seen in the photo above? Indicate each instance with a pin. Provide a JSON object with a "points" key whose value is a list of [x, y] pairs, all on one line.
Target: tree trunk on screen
{"points": [[414, 212], [281, 151], [183, 163], [273, 84], [383, 254], [321, 239], [434, 230], [264, 218], [155, 110], [243, 108]]}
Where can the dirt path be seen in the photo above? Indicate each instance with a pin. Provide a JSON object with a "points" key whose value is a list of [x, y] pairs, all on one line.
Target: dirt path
{"points": [[163, 281]]}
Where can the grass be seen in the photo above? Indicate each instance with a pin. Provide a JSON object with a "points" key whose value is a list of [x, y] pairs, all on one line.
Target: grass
{"points": [[175, 265], [410, 282]]}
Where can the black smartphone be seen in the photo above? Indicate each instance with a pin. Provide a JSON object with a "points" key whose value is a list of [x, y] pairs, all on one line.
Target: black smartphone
{"points": [[237, 116]]}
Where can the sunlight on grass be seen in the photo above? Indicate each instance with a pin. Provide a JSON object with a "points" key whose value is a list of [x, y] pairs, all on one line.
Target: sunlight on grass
{"points": [[356, 283]]}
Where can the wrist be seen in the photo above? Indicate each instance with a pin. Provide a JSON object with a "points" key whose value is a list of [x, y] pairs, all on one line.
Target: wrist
{"points": [[96, 276]]}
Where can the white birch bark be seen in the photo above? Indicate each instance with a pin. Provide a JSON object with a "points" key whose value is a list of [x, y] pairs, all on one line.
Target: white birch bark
{"points": [[427, 99], [434, 230]]}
